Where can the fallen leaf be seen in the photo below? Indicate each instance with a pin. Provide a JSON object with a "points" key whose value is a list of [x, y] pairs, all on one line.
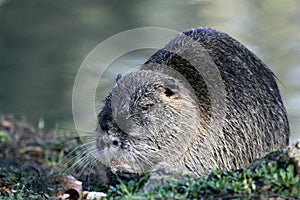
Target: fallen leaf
{"points": [[6, 124], [5, 189], [71, 188]]}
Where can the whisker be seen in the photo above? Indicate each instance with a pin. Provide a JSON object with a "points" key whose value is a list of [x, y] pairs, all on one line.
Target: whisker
{"points": [[85, 159]]}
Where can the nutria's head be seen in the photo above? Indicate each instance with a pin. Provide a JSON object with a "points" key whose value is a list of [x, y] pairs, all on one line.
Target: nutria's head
{"points": [[147, 118]]}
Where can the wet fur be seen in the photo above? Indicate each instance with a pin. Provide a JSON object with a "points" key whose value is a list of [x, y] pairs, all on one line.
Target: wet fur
{"points": [[255, 121]]}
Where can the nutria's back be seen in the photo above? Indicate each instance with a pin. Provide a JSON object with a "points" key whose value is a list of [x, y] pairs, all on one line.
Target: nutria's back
{"points": [[252, 116]]}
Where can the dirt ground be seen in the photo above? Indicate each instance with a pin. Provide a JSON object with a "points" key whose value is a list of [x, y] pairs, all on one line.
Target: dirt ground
{"points": [[32, 153]]}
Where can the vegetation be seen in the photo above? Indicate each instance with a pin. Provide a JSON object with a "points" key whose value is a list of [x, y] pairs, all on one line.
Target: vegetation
{"points": [[268, 181], [265, 182], [29, 154]]}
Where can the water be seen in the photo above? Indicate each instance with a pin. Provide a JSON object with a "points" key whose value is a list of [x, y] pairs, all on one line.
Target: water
{"points": [[42, 44]]}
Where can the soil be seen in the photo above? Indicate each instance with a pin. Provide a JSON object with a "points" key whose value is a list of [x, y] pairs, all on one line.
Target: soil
{"points": [[31, 152]]}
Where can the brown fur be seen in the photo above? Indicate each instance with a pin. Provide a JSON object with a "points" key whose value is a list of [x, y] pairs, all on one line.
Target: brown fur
{"points": [[176, 110]]}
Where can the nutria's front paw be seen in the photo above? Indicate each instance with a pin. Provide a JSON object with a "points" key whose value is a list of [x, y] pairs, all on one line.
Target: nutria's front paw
{"points": [[163, 173]]}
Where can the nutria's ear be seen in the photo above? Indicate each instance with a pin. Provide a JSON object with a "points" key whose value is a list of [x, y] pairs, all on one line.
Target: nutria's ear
{"points": [[171, 87], [118, 77]]}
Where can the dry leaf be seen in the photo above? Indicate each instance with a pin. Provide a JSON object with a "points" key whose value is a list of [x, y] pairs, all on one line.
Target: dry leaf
{"points": [[6, 124], [71, 188], [5, 189]]}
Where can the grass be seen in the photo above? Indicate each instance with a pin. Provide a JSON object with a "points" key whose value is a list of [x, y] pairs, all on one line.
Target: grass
{"points": [[266, 182], [21, 185], [26, 175]]}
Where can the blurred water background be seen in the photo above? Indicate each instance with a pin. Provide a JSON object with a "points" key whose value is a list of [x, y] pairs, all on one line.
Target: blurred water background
{"points": [[43, 43]]}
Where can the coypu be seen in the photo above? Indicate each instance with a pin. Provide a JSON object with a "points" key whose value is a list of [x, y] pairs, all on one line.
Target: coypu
{"points": [[203, 101]]}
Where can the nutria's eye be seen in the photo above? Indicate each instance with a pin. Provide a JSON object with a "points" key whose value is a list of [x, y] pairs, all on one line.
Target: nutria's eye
{"points": [[171, 87], [169, 92]]}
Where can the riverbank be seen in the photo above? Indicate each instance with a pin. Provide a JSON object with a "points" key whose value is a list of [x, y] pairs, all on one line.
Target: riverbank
{"points": [[33, 157]]}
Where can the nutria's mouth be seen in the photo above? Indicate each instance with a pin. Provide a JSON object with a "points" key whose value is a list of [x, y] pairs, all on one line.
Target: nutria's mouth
{"points": [[122, 167]]}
